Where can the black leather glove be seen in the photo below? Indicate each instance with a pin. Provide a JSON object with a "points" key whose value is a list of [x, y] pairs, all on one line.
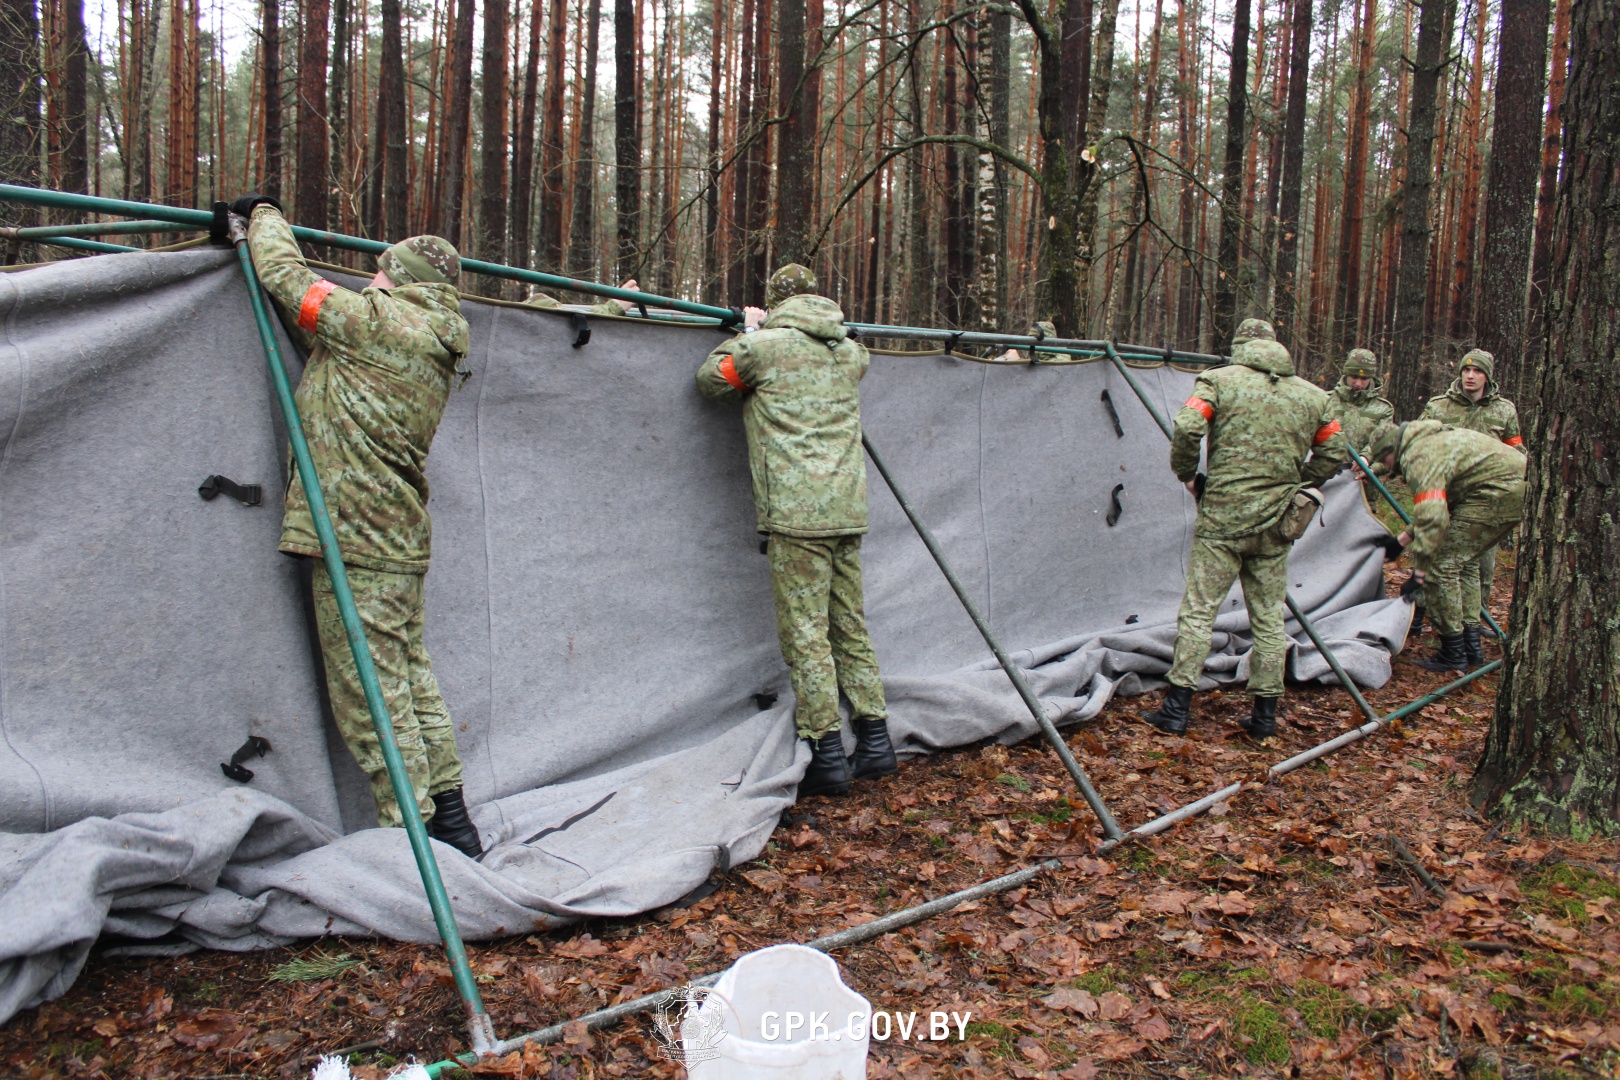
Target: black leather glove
{"points": [[1413, 582], [244, 204], [1391, 544], [1200, 482]]}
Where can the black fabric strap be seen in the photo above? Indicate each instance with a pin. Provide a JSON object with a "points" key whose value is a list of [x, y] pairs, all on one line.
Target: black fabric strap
{"points": [[1113, 414], [215, 486], [1117, 507], [582, 328], [256, 746]]}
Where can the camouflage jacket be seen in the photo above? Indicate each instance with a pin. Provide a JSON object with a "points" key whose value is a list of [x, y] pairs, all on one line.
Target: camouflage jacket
{"points": [[798, 377], [1262, 422], [548, 302], [380, 367], [1359, 412], [1450, 467], [1494, 414]]}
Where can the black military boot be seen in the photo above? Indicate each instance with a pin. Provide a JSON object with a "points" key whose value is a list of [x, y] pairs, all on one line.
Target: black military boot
{"points": [[451, 825], [1171, 717], [828, 773], [1473, 648], [1417, 621], [1449, 657], [874, 753], [1262, 722]]}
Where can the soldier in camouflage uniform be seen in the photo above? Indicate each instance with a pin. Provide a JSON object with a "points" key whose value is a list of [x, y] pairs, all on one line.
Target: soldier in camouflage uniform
{"points": [[1358, 404], [798, 377], [381, 364], [1271, 433], [1253, 330], [1467, 494], [541, 299], [1472, 402], [1042, 328]]}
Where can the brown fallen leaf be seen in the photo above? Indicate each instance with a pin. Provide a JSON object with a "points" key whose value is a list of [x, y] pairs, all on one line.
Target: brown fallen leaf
{"points": [[1157, 989], [583, 947], [1072, 1000], [1083, 1069], [1113, 1005], [1153, 1028]]}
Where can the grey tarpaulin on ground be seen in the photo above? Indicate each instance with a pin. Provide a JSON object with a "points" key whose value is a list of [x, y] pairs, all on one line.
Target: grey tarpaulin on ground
{"points": [[599, 615]]}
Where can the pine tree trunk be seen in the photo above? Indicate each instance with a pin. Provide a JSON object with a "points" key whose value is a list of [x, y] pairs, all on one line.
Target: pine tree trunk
{"points": [[19, 106], [1237, 115], [757, 217], [521, 247], [1546, 199], [394, 206], [313, 153], [270, 42], [338, 112], [1552, 756], [1293, 172], [75, 144], [1521, 62], [795, 137], [1348, 308], [457, 125], [712, 277], [1411, 298], [493, 151], [582, 238], [551, 144], [626, 138]]}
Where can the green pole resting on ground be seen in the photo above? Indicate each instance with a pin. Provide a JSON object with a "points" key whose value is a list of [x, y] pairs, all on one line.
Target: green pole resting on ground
{"points": [[1048, 729], [1406, 518], [481, 1031]]}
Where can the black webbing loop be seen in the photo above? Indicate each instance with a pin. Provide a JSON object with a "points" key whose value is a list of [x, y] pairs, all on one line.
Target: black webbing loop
{"points": [[950, 346], [1117, 508], [641, 305], [735, 319], [256, 746], [1040, 336], [1113, 414], [582, 328], [215, 486]]}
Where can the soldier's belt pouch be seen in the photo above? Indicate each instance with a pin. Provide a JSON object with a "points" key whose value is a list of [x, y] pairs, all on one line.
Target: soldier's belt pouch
{"points": [[1301, 509]]}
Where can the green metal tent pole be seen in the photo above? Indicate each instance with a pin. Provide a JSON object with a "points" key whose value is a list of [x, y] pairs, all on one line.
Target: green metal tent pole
{"points": [[83, 245], [481, 1030], [202, 219], [1293, 608], [1366, 470], [1082, 781], [91, 228]]}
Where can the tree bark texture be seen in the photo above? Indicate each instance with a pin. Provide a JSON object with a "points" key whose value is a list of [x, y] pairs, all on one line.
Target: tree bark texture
{"points": [[391, 107], [1348, 308], [523, 152], [712, 276], [1102, 84], [1411, 286], [457, 125], [1546, 200], [795, 187], [582, 223], [270, 42], [1504, 271], [75, 144], [551, 144], [1237, 115], [314, 160], [626, 137], [1552, 756], [494, 157], [19, 103], [338, 92], [1293, 172]]}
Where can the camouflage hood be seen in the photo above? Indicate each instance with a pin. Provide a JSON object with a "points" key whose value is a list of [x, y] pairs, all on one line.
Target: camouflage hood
{"points": [[1263, 355], [440, 305], [814, 315]]}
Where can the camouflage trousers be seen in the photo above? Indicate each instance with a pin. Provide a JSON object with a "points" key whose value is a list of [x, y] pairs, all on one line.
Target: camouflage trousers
{"points": [[1260, 561], [390, 607], [1452, 588], [821, 625]]}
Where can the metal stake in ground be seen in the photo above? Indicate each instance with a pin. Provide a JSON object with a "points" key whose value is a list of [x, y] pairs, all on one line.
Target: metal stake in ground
{"points": [[481, 1033], [1111, 828]]}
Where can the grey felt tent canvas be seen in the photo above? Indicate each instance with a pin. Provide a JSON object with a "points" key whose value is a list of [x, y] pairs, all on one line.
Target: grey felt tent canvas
{"points": [[598, 612]]}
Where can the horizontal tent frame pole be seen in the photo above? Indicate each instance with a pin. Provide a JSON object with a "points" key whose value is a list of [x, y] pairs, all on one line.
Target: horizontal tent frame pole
{"points": [[481, 1030], [78, 244], [1036, 709], [898, 920], [1366, 470], [92, 228], [203, 219]]}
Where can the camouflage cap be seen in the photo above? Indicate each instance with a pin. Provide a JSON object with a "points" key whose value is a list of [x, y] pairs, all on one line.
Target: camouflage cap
{"points": [[790, 280], [1360, 364], [1250, 329], [1386, 439], [421, 259], [1478, 358]]}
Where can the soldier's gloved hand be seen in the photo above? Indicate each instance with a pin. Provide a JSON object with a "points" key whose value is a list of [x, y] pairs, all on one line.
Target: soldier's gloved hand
{"points": [[1412, 584], [1392, 546], [244, 204]]}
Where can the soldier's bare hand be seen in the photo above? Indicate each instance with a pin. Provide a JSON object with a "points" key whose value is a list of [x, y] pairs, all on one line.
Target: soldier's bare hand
{"points": [[753, 316], [626, 305]]}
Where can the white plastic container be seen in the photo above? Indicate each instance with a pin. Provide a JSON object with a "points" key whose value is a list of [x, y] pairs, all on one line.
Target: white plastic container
{"points": [[760, 997]]}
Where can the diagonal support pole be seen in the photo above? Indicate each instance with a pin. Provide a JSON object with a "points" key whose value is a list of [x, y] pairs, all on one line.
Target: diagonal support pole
{"points": [[481, 1032], [1111, 827], [1293, 608]]}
